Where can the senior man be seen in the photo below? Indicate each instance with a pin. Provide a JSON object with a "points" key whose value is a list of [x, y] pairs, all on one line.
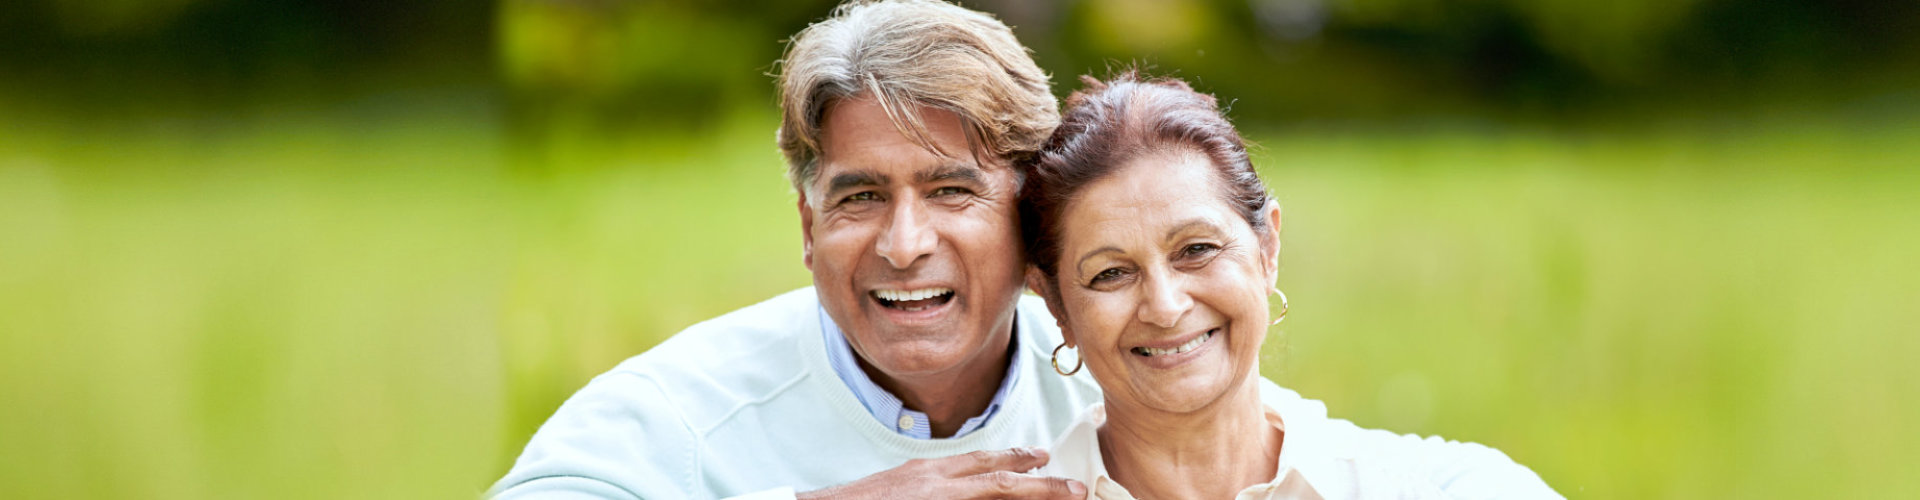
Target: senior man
{"points": [[912, 368]]}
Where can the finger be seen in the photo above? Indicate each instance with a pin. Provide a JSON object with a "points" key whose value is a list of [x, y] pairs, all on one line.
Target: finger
{"points": [[984, 461], [1014, 485]]}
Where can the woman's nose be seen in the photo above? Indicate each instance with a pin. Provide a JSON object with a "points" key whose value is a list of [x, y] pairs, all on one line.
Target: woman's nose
{"points": [[1166, 301]]}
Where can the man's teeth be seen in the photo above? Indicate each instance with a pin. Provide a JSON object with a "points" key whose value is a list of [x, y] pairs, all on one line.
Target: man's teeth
{"points": [[906, 295], [1190, 345]]}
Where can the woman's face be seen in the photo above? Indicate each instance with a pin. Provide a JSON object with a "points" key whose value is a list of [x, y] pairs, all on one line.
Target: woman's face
{"points": [[1161, 285]]}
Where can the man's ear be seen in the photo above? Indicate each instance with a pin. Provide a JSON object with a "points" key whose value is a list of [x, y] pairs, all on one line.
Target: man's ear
{"points": [[1270, 242], [806, 230], [1038, 282]]}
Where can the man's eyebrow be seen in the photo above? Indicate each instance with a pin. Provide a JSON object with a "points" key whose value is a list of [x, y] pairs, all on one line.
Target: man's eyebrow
{"points": [[951, 172], [857, 178]]}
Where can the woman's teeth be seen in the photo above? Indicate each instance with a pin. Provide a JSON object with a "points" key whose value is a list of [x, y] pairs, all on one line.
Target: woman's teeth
{"points": [[1190, 345]]}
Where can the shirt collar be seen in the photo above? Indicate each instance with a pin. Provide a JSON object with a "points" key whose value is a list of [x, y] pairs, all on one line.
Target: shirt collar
{"points": [[1077, 455], [887, 408]]}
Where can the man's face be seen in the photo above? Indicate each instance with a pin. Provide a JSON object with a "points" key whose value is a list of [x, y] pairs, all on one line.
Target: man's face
{"points": [[915, 256]]}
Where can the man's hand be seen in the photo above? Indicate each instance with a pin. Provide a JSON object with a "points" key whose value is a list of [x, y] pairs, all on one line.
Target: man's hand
{"points": [[979, 475]]}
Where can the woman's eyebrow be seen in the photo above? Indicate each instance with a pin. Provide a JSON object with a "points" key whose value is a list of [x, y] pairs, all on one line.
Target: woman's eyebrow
{"points": [[1089, 255], [1190, 224]]}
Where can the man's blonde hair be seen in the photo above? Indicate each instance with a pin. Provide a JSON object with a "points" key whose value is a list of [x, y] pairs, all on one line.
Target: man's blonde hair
{"points": [[907, 54]]}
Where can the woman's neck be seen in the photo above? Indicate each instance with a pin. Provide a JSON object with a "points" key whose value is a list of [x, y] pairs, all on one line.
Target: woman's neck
{"points": [[1211, 453]]}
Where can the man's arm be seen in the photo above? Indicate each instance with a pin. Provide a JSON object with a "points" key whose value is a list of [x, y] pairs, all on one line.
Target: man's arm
{"points": [[1463, 470], [1472, 470], [617, 438], [981, 474]]}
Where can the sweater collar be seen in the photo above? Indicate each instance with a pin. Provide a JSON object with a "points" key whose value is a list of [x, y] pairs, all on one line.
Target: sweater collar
{"points": [[887, 407]]}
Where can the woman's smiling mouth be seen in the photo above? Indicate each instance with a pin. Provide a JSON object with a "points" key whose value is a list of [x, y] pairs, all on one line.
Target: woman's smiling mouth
{"points": [[1182, 348]]}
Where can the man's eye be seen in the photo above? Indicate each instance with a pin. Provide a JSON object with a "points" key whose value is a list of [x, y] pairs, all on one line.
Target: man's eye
{"points": [[951, 190], [861, 196]]}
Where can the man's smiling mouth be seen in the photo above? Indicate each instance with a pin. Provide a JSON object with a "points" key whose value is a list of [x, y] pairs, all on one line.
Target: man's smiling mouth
{"points": [[912, 300]]}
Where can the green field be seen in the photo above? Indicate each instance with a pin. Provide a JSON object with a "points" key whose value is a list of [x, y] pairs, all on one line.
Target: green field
{"points": [[337, 304]]}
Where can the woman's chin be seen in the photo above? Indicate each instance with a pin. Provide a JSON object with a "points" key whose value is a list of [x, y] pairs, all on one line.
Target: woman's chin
{"points": [[1184, 394]]}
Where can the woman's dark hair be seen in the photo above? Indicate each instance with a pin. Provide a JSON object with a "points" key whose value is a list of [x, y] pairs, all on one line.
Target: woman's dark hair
{"points": [[1108, 123]]}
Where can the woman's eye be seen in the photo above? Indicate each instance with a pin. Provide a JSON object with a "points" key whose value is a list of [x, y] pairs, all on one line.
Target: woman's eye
{"points": [[1197, 249], [1107, 275]]}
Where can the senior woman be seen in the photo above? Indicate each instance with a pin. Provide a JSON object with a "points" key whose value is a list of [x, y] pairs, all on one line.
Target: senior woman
{"points": [[1156, 246]]}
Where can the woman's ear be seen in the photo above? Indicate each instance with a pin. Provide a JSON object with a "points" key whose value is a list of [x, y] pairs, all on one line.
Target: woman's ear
{"points": [[1038, 282], [1270, 242]]}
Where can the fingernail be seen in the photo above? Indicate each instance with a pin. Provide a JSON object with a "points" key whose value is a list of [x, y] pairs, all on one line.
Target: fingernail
{"points": [[1077, 489]]}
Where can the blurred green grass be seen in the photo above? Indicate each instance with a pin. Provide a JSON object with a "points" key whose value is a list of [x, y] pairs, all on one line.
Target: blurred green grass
{"points": [[335, 304]]}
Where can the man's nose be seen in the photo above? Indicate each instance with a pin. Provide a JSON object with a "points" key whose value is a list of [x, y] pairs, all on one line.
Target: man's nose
{"points": [[908, 235], [1166, 301]]}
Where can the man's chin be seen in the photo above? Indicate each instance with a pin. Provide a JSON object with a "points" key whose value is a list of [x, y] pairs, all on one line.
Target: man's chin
{"points": [[918, 359]]}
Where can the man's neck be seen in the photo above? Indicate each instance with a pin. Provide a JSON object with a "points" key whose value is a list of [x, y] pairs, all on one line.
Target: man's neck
{"points": [[1211, 453], [950, 398]]}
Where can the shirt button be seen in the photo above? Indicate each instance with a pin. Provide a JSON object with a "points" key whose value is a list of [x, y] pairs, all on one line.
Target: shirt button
{"points": [[906, 422]]}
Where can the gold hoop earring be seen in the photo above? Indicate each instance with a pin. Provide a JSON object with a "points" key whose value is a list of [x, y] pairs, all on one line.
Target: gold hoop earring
{"points": [[1283, 307], [1056, 362]]}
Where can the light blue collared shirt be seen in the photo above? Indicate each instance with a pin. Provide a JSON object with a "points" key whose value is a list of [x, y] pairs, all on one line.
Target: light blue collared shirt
{"points": [[886, 407]]}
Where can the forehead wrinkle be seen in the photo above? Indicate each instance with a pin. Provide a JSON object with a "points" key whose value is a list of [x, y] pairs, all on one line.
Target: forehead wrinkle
{"points": [[1140, 200], [1125, 222]]}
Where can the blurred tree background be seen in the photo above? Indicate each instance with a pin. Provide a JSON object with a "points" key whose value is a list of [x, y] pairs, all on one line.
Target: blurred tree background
{"points": [[351, 248]]}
